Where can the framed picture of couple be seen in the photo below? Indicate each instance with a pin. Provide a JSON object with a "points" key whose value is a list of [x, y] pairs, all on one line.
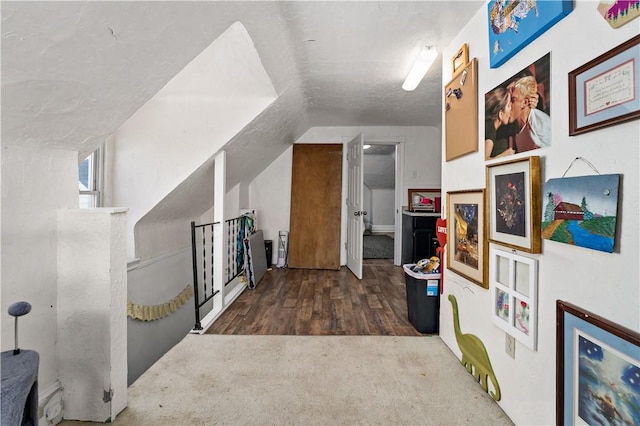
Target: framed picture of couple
{"points": [[518, 113]]}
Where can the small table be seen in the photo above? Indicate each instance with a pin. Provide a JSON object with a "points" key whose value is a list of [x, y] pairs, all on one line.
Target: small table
{"points": [[19, 388]]}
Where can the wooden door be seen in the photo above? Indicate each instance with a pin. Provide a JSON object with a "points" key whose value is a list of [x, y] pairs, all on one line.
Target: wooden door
{"points": [[316, 188]]}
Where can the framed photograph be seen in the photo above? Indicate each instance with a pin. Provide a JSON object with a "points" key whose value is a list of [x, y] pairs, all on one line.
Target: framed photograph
{"points": [[597, 371], [467, 253], [517, 112], [606, 90], [424, 200], [514, 24], [513, 282], [460, 60], [513, 204]]}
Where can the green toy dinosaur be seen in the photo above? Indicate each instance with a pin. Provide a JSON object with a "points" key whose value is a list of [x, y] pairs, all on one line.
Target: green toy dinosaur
{"points": [[474, 355]]}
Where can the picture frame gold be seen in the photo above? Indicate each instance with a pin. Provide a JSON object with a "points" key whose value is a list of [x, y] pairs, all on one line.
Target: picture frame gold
{"points": [[467, 246], [513, 204], [460, 60]]}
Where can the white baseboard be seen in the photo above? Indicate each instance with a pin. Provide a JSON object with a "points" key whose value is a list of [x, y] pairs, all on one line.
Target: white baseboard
{"points": [[382, 228], [50, 404]]}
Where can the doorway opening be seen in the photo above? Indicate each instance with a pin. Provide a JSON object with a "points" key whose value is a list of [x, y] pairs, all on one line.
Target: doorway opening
{"points": [[379, 200]]}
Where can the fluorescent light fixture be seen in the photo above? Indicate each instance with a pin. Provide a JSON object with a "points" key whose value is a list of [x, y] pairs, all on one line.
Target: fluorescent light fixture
{"points": [[366, 146], [419, 68]]}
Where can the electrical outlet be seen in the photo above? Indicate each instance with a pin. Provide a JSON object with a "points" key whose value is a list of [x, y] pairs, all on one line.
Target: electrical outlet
{"points": [[510, 346]]}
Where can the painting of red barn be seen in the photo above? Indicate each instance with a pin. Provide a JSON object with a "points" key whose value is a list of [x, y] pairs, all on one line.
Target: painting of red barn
{"points": [[581, 211]]}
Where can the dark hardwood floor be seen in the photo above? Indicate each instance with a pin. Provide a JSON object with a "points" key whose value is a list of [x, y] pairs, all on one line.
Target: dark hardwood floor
{"points": [[322, 302]]}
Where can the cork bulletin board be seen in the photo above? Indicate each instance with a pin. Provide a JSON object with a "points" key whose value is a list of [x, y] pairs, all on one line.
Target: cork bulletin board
{"points": [[461, 112]]}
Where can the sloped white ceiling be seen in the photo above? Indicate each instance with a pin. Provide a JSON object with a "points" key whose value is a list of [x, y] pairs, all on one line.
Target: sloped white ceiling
{"points": [[73, 72]]}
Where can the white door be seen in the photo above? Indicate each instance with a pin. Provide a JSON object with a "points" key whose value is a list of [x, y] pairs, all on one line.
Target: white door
{"points": [[355, 222]]}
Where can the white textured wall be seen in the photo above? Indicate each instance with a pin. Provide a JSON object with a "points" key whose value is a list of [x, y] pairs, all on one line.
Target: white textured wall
{"points": [[92, 312], [603, 283], [270, 196], [367, 204], [155, 283], [383, 208], [35, 184], [185, 124]]}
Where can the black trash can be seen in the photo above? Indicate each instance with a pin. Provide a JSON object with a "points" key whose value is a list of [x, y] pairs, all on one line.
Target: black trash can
{"points": [[423, 300], [268, 250]]}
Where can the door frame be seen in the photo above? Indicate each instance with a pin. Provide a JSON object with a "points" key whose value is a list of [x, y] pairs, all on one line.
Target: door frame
{"points": [[398, 141]]}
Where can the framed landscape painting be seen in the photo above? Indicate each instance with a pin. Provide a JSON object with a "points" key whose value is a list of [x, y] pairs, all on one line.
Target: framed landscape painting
{"points": [[597, 369], [581, 211], [513, 24]]}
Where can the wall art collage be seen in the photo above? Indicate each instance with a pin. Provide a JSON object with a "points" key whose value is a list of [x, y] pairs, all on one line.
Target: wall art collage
{"points": [[489, 228]]}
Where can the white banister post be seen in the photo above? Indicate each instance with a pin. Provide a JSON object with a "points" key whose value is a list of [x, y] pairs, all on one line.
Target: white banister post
{"points": [[219, 236], [92, 312]]}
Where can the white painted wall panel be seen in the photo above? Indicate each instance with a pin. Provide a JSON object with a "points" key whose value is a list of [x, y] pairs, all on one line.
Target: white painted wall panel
{"points": [[92, 312], [383, 208], [185, 124], [35, 184]]}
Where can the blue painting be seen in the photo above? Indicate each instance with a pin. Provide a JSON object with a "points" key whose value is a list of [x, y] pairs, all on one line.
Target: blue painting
{"points": [[600, 373], [515, 23], [608, 391], [581, 211]]}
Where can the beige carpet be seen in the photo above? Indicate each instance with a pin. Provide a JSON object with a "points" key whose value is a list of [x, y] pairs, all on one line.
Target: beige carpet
{"points": [[308, 380]]}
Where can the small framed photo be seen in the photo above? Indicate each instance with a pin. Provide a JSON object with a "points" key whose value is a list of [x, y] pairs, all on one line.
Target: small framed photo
{"points": [[597, 369], [513, 204], [460, 60], [513, 282], [467, 253], [424, 200], [606, 90]]}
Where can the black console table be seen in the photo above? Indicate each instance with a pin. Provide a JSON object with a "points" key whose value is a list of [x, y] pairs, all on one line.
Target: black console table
{"points": [[418, 236]]}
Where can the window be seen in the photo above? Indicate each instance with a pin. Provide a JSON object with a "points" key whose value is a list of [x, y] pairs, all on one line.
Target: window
{"points": [[90, 180]]}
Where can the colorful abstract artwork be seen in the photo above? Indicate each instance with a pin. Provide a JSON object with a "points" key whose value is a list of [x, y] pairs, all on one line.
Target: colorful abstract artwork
{"points": [[608, 384], [619, 12], [466, 239], [510, 204], [513, 24], [581, 211], [502, 305], [466, 227]]}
